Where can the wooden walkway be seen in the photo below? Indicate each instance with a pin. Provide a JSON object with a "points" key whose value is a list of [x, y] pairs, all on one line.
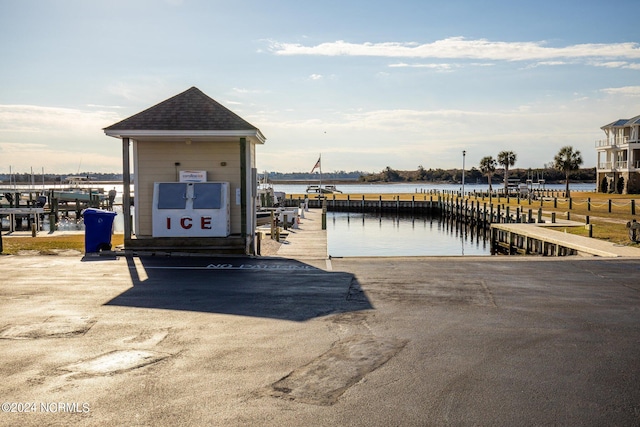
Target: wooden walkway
{"points": [[544, 240], [308, 241]]}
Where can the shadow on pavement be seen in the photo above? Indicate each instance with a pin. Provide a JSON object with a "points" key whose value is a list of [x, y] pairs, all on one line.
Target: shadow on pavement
{"points": [[272, 288]]}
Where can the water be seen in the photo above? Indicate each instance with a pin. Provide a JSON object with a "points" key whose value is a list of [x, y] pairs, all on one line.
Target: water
{"points": [[358, 234]]}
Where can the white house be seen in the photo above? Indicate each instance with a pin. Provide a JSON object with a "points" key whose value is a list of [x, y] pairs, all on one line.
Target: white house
{"points": [[619, 156]]}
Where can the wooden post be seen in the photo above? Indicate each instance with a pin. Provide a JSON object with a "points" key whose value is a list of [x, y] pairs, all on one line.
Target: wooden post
{"points": [[324, 216], [609, 205], [273, 225], [243, 189], [588, 203], [633, 207], [258, 243]]}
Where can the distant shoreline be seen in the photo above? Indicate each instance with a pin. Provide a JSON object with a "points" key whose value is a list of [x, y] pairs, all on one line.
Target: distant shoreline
{"points": [[356, 182]]}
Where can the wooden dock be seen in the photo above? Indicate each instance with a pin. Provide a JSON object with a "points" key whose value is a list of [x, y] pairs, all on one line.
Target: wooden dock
{"points": [[308, 241], [545, 240]]}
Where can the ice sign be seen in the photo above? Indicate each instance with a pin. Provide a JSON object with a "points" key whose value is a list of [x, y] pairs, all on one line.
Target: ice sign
{"points": [[191, 209]]}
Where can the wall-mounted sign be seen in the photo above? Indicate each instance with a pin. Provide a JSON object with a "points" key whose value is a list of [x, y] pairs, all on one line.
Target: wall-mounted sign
{"points": [[193, 176]]}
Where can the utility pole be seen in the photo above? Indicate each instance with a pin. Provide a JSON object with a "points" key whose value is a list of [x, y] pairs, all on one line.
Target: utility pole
{"points": [[463, 154]]}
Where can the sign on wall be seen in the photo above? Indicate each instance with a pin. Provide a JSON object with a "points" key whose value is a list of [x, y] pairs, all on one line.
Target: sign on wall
{"points": [[193, 176]]}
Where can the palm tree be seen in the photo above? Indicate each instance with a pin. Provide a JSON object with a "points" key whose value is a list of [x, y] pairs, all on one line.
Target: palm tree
{"points": [[488, 167], [568, 161], [506, 159]]}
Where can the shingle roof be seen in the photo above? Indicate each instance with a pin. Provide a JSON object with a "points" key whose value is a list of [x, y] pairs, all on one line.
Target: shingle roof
{"points": [[189, 110], [623, 122]]}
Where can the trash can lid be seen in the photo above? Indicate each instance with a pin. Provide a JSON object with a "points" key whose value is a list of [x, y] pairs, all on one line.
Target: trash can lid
{"points": [[93, 211]]}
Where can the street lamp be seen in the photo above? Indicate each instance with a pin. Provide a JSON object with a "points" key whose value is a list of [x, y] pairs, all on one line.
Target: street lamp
{"points": [[463, 154]]}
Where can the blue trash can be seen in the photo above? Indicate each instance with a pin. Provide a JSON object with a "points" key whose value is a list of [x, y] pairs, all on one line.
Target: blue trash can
{"points": [[98, 227]]}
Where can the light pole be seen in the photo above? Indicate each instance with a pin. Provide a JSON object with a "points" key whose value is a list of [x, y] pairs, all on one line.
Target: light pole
{"points": [[463, 154]]}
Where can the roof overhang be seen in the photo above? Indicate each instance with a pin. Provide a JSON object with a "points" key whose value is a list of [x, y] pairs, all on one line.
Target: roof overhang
{"points": [[175, 135]]}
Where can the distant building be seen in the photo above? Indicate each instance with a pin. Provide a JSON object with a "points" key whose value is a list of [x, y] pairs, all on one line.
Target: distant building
{"points": [[618, 167]]}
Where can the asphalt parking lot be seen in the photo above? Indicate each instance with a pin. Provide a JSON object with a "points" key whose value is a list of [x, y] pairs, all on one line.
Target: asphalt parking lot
{"points": [[272, 341]]}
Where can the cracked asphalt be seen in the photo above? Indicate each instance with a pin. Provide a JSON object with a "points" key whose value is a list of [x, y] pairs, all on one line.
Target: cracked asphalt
{"points": [[164, 341]]}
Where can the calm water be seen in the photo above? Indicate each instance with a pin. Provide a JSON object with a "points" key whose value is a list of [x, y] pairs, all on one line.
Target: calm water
{"points": [[358, 234]]}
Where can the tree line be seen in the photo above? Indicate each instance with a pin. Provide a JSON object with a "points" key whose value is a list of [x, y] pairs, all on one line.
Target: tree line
{"points": [[566, 166]]}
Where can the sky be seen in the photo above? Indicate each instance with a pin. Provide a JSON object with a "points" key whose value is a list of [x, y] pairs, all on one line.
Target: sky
{"points": [[367, 84]]}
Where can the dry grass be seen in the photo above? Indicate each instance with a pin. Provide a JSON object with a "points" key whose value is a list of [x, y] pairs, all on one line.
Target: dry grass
{"points": [[50, 244]]}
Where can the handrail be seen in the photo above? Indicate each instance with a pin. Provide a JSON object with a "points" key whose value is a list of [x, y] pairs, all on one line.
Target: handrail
{"points": [[612, 142]]}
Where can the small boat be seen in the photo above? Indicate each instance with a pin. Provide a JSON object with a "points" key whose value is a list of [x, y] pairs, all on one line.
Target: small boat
{"points": [[318, 189]]}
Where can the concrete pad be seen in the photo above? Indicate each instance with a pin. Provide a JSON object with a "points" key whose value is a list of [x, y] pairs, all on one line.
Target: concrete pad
{"points": [[323, 381], [115, 362], [52, 327]]}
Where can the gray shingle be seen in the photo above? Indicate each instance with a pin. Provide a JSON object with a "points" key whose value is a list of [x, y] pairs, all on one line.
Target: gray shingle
{"points": [[189, 110]]}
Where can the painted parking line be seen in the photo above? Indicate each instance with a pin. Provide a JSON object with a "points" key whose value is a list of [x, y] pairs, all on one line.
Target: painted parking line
{"points": [[261, 266]]}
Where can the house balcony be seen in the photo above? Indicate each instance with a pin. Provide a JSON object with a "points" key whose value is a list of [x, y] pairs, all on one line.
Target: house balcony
{"points": [[612, 142], [619, 166]]}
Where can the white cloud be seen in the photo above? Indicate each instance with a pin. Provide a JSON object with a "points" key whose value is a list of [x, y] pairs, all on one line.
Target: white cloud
{"points": [[35, 118], [23, 156], [315, 77], [115, 107], [462, 48], [57, 138], [625, 90], [404, 138], [618, 64], [246, 91], [438, 67]]}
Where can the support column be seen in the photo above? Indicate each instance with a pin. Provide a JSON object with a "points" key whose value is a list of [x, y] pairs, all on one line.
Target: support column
{"points": [[243, 192], [126, 189]]}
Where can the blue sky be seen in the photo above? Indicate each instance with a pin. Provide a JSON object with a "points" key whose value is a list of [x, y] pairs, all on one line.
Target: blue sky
{"points": [[368, 84]]}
